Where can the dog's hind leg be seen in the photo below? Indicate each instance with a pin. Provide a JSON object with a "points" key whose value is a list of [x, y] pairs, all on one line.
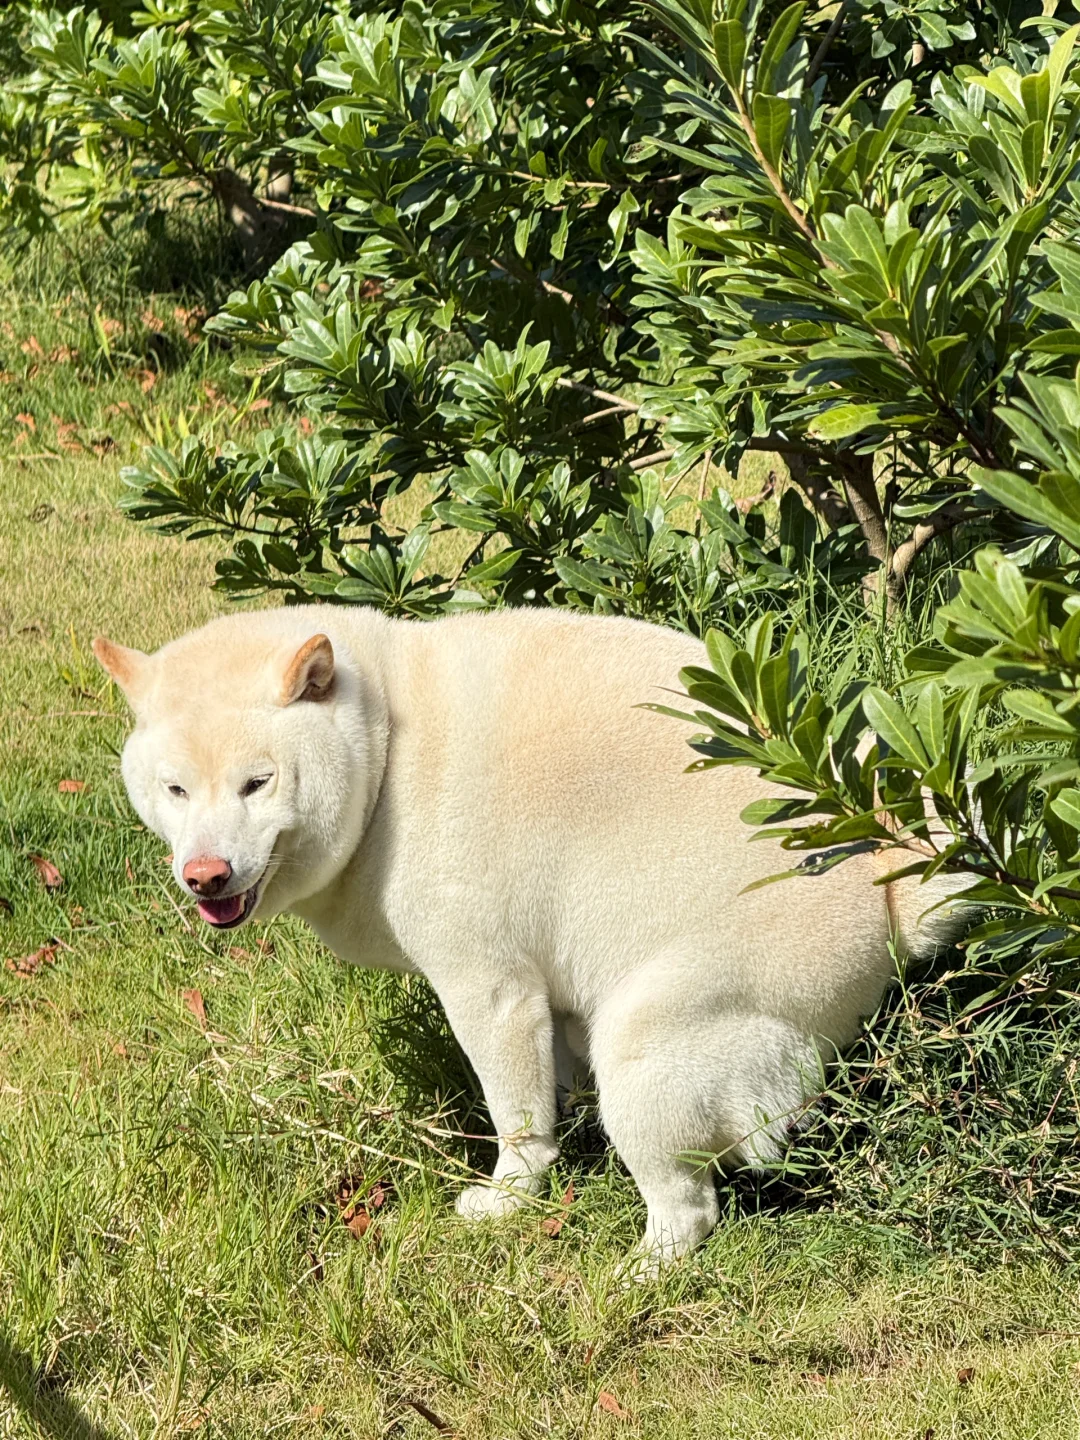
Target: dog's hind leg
{"points": [[505, 1027], [685, 1085]]}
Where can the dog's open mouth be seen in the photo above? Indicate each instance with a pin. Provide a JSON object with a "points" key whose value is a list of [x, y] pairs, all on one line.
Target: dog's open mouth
{"points": [[230, 910]]}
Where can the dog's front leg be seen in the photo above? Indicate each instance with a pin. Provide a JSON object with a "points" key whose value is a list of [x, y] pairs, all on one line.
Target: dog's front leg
{"points": [[505, 1028]]}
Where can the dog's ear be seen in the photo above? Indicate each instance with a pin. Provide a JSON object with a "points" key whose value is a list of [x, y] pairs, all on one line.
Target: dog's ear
{"points": [[128, 668], [310, 672]]}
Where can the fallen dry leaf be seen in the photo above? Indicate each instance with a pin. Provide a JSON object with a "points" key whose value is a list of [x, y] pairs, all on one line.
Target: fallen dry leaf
{"points": [[264, 948], [120, 1049], [26, 965], [261, 404], [357, 1222], [128, 871], [192, 321], [50, 875], [965, 1376], [147, 380], [71, 787], [32, 346], [27, 419], [315, 1412], [194, 1002], [356, 1212], [554, 1223], [607, 1402]]}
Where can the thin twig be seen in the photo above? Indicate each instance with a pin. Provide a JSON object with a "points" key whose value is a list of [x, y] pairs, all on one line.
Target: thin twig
{"points": [[576, 425], [826, 43], [597, 394], [658, 457], [287, 209], [903, 557]]}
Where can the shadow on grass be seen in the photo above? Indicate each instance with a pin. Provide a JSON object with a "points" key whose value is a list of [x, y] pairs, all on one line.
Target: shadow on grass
{"points": [[46, 1405]]}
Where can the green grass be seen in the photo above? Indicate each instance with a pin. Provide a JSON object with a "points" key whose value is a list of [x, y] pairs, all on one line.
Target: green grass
{"points": [[174, 1256]]}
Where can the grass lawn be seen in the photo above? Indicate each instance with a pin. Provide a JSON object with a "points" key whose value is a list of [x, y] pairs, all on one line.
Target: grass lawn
{"points": [[227, 1163]]}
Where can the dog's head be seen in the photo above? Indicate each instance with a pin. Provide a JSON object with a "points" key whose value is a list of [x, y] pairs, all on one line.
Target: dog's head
{"points": [[250, 758]]}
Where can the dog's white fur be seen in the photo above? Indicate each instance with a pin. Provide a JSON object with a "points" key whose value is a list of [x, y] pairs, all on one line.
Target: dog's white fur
{"points": [[481, 799]]}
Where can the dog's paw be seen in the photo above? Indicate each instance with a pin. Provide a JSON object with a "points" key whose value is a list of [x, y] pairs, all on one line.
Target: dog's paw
{"points": [[476, 1202]]}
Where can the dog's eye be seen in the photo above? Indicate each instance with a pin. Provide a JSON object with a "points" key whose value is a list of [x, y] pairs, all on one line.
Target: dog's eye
{"points": [[255, 783], [178, 791]]}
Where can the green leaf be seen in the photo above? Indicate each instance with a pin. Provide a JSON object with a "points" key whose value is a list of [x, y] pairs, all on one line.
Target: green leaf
{"points": [[781, 35], [934, 30], [772, 117], [729, 47], [894, 727], [1033, 148], [1066, 804]]}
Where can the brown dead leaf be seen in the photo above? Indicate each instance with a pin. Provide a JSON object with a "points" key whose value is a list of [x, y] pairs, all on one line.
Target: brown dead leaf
{"points": [[261, 404], [62, 355], [147, 380], [128, 871], [371, 290], [191, 321], [305, 425], [152, 321], [590, 1351], [120, 1049], [26, 965], [965, 1376], [194, 1002], [554, 1223], [50, 875], [357, 1222], [71, 787], [607, 1402], [356, 1207], [32, 346], [25, 418], [67, 433], [110, 326], [315, 1412]]}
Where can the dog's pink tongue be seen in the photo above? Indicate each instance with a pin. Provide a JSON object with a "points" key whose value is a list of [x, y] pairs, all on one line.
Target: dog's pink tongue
{"points": [[221, 912]]}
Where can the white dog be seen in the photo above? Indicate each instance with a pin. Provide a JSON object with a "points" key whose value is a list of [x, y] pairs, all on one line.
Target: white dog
{"points": [[481, 799]]}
